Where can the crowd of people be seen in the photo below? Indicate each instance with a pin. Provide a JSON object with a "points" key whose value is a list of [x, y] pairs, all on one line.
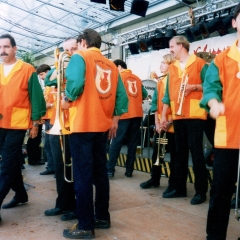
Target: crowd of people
{"points": [[107, 97]]}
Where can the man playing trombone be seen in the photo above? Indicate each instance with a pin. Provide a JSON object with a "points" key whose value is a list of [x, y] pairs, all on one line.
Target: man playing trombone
{"points": [[221, 98], [183, 94]]}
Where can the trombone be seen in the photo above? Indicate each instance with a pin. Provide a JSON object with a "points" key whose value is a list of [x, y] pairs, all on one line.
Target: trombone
{"points": [[58, 128], [161, 141], [181, 94]]}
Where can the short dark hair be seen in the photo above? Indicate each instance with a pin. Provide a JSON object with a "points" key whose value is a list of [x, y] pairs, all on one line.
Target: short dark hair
{"points": [[92, 37], [236, 11], [10, 37], [43, 68], [120, 62]]}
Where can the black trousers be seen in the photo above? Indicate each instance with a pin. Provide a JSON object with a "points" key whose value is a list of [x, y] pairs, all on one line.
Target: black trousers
{"points": [[66, 195], [225, 167], [10, 166], [189, 136], [33, 147], [157, 170]]}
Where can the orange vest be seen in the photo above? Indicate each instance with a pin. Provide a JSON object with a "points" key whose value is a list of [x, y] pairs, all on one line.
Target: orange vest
{"points": [[161, 88], [133, 86], [227, 131], [190, 108], [94, 108], [15, 105], [49, 98]]}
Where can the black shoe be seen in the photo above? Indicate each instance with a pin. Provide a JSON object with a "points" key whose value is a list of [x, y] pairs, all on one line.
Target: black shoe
{"points": [[110, 174], [47, 172], [128, 174], [54, 212], [75, 233], [174, 194], [148, 184], [198, 198], [103, 224], [68, 216], [14, 203], [40, 163], [31, 163], [168, 189]]}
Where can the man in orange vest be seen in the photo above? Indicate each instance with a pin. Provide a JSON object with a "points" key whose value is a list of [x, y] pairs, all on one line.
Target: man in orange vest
{"points": [[65, 202], [95, 97], [183, 93], [22, 106], [221, 89], [130, 122], [42, 71]]}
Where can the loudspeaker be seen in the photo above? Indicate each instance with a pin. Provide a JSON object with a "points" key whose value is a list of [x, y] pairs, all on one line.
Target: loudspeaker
{"points": [[139, 7]]}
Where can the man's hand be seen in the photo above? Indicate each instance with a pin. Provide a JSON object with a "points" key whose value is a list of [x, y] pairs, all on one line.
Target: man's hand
{"points": [[49, 105], [216, 108], [163, 122], [33, 132], [65, 105], [112, 132]]}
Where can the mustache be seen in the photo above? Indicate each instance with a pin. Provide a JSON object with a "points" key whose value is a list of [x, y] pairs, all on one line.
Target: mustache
{"points": [[3, 54]]}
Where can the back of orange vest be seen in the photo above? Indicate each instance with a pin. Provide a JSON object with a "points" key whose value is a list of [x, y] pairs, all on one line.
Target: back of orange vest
{"points": [[93, 110], [133, 86]]}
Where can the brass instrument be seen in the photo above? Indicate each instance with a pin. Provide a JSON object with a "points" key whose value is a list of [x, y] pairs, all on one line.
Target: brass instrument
{"points": [[58, 128], [181, 94], [161, 141]]}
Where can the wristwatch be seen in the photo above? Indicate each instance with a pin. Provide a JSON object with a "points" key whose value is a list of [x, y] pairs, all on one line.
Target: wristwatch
{"points": [[35, 124], [67, 99]]}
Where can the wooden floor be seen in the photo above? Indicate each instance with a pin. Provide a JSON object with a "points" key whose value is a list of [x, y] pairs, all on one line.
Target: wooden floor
{"points": [[136, 214]]}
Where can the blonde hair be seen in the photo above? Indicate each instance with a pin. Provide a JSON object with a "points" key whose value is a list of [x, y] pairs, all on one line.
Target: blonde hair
{"points": [[168, 58], [182, 40]]}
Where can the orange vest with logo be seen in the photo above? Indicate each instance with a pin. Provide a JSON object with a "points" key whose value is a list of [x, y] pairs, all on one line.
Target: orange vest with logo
{"points": [[227, 131], [161, 88], [15, 106], [94, 108], [190, 107], [133, 86]]}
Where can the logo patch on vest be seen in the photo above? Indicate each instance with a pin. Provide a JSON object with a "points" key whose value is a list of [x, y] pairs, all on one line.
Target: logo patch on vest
{"points": [[132, 87], [102, 80]]}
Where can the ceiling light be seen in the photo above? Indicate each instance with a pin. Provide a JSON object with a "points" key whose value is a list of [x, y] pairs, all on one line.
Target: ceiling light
{"points": [[116, 5], [99, 1], [133, 47]]}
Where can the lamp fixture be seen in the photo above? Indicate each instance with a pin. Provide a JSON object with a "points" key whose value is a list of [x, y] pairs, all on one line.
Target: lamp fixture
{"points": [[99, 1], [117, 5]]}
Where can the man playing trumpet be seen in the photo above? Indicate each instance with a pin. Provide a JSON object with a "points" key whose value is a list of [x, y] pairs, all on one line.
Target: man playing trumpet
{"points": [[188, 117]]}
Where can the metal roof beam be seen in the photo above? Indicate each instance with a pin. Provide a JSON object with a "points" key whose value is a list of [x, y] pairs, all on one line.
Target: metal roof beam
{"points": [[63, 9], [42, 17]]}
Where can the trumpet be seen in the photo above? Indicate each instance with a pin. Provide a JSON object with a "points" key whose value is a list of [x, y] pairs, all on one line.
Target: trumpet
{"points": [[58, 128], [161, 141], [181, 94]]}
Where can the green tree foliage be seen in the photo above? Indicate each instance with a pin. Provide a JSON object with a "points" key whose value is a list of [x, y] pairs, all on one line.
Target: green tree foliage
{"points": [[27, 57]]}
